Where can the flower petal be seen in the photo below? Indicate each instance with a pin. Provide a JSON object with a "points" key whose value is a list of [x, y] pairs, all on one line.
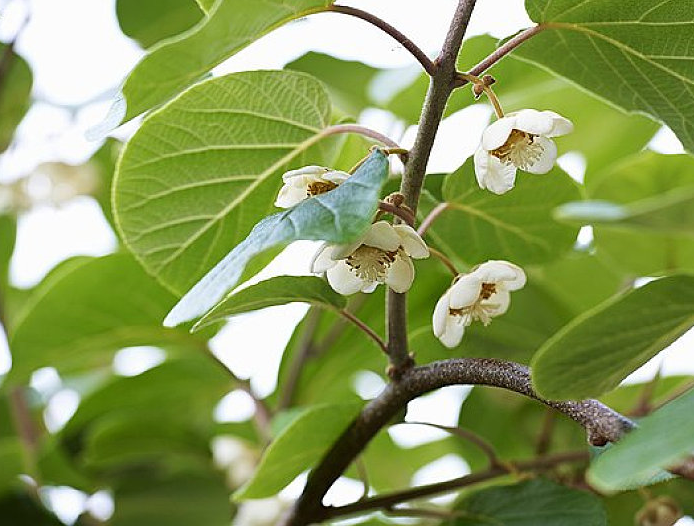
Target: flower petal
{"points": [[535, 122], [495, 271], [492, 174], [560, 125], [322, 260], [497, 133], [411, 241], [305, 170], [369, 287], [549, 156], [400, 274], [382, 235], [290, 195], [453, 333], [465, 291], [343, 280], [498, 303], [441, 314], [335, 176], [342, 251]]}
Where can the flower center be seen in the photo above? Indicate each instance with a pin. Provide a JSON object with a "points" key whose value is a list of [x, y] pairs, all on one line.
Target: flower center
{"points": [[319, 187], [371, 263], [520, 149], [478, 310]]}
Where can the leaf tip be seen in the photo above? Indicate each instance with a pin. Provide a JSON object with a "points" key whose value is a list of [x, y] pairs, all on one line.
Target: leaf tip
{"points": [[111, 121]]}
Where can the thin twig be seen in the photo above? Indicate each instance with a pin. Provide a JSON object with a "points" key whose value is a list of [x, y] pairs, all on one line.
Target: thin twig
{"points": [[500, 53], [305, 348], [363, 475], [433, 216], [484, 445], [544, 439], [643, 405], [387, 501], [428, 65], [360, 130], [365, 329], [404, 214], [444, 259]]}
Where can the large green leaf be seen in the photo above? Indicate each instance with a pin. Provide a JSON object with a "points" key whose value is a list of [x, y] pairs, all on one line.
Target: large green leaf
{"points": [[638, 179], [12, 462], [661, 439], [15, 91], [597, 350], [80, 315], [174, 65], [150, 21], [338, 216], [672, 212], [522, 85], [276, 291], [347, 81], [200, 172], [634, 54], [528, 503], [517, 226], [298, 447]]}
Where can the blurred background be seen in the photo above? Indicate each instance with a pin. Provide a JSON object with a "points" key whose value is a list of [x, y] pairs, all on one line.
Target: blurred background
{"points": [[77, 55]]}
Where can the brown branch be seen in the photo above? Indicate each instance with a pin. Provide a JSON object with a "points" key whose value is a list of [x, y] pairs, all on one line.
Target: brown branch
{"points": [[428, 65], [360, 130], [440, 88], [601, 423], [398, 211], [433, 215], [500, 53], [388, 500]]}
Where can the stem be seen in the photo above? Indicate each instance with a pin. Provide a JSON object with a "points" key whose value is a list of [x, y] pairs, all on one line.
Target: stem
{"points": [[428, 65], [305, 350], [361, 130], [391, 499], [365, 329], [500, 53], [447, 262], [601, 423], [429, 220], [402, 213], [468, 435], [440, 88], [498, 110]]}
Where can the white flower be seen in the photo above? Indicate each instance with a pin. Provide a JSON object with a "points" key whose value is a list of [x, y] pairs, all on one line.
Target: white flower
{"points": [[518, 140], [306, 182], [382, 255], [481, 295]]}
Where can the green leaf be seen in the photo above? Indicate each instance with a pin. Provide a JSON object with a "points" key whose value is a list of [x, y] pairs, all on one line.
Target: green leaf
{"points": [[635, 55], [597, 350], [21, 509], [150, 22], [177, 499], [275, 291], [199, 173], [672, 212], [81, 314], [527, 503], [662, 438], [169, 68], [347, 81], [297, 448], [639, 183], [338, 216], [11, 460], [16, 92], [8, 236], [517, 226]]}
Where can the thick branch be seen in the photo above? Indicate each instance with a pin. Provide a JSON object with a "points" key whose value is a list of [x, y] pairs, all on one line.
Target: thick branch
{"points": [[602, 423], [440, 88], [384, 26]]}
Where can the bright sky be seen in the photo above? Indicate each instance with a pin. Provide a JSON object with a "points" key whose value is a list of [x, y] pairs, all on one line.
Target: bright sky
{"points": [[79, 57]]}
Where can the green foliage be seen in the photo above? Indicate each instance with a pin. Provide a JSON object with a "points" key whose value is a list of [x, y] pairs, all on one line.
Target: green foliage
{"points": [[597, 350], [16, 89], [147, 23], [93, 308], [178, 63], [200, 172], [521, 504], [276, 291], [661, 440], [11, 460], [338, 216], [298, 447], [643, 178], [8, 236], [634, 55], [516, 226]]}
